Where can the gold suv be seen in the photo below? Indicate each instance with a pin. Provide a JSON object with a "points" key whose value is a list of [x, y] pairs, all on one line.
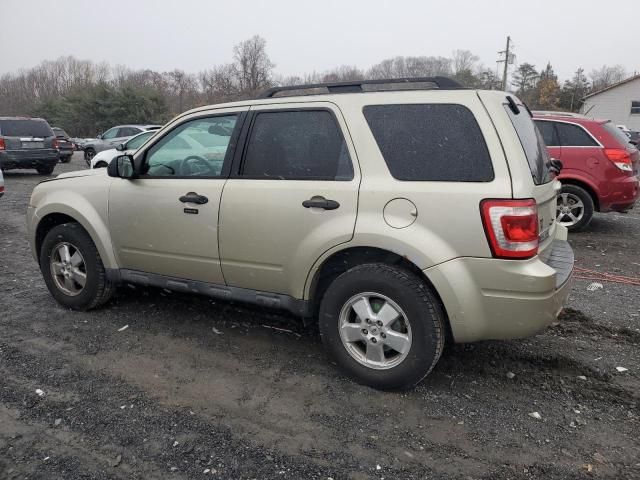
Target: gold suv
{"points": [[397, 213]]}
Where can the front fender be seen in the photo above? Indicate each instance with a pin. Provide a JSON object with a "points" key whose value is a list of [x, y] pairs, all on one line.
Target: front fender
{"points": [[87, 204]]}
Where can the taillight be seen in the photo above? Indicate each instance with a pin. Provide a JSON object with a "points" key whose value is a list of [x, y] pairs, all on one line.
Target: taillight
{"points": [[2, 144], [620, 158], [511, 227], [54, 143]]}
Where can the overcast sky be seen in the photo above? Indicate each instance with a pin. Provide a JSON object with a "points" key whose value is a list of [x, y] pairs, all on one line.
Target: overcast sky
{"points": [[314, 36]]}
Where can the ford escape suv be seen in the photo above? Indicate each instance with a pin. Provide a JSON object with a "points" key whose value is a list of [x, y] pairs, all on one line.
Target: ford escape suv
{"points": [[396, 213]]}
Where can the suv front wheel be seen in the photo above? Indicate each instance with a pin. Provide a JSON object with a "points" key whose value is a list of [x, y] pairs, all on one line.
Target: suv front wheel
{"points": [[72, 268], [382, 325]]}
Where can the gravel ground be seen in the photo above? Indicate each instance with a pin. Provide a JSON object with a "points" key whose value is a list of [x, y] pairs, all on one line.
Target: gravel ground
{"points": [[200, 389]]}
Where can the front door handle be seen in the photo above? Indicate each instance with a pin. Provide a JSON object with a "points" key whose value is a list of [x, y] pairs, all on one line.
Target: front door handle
{"points": [[193, 197], [320, 202]]}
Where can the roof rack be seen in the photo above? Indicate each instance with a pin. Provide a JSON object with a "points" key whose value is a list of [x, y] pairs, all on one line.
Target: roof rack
{"points": [[359, 86]]}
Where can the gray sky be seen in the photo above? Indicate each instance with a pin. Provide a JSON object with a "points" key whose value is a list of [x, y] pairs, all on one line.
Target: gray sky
{"points": [[305, 36]]}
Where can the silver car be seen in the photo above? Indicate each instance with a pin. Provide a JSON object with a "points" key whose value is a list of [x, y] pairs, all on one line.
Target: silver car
{"points": [[113, 137]]}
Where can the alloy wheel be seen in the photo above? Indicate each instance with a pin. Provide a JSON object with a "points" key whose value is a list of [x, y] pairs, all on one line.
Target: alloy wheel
{"points": [[374, 330], [570, 209], [68, 269]]}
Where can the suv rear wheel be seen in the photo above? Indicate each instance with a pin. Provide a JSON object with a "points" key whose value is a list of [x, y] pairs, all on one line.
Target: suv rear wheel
{"points": [[575, 207], [382, 325], [72, 268], [48, 170]]}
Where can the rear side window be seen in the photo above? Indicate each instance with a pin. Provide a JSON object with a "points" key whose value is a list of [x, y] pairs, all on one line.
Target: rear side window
{"points": [[430, 142], [533, 145], [549, 133], [297, 145], [618, 134], [128, 131], [25, 128], [574, 136]]}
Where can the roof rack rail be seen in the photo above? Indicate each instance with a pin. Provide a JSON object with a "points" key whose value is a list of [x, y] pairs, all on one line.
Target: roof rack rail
{"points": [[358, 86]]}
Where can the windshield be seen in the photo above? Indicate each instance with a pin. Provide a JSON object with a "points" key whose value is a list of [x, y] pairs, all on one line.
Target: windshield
{"points": [[618, 134], [137, 142], [25, 128], [532, 143]]}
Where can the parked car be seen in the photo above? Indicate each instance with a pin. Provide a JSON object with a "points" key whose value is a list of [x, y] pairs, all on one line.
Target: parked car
{"points": [[65, 145], [104, 158], [1, 184], [600, 167], [27, 143], [442, 225], [634, 138], [112, 137]]}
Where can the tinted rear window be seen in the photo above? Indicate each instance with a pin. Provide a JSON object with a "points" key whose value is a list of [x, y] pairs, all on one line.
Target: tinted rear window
{"points": [[25, 128], [618, 134], [436, 142], [59, 132], [574, 136], [533, 145]]}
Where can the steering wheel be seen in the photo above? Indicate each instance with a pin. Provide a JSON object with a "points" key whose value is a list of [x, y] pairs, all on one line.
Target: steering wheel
{"points": [[193, 160]]}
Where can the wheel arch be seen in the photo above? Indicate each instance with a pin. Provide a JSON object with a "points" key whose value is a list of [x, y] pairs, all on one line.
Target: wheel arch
{"points": [[90, 221], [586, 186], [342, 260]]}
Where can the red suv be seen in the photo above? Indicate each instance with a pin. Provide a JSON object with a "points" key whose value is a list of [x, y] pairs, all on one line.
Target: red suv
{"points": [[600, 166]]}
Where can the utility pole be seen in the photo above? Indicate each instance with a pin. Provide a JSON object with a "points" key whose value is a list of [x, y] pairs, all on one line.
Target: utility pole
{"points": [[508, 59]]}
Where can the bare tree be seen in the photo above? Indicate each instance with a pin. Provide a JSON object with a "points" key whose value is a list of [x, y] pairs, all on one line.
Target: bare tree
{"points": [[252, 66], [606, 75]]}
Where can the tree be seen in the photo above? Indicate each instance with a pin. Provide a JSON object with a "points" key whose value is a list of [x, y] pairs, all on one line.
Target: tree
{"points": [[573, 91], [546, 94], [605, 76], [525, 79], [252, 66]]}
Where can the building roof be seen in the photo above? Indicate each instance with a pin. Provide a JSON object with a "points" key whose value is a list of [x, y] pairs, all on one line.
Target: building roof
{"points": [[610, 87]]}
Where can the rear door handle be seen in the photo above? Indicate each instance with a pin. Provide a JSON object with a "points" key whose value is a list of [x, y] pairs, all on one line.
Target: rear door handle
{"points": [[193, 197], [318, 201]]}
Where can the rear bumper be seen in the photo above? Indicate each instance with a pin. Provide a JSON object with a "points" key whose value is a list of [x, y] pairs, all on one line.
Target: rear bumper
{"points": [[623, 195], [487, 298], [10, 159]]}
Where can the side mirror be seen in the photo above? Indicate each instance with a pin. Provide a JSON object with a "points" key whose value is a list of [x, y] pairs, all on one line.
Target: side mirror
{"points": [[99, 136], [120, 147], [121, 167]]}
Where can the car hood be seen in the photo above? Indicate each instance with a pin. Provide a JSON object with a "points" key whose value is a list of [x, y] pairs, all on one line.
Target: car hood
{"points": [[82, 173]]}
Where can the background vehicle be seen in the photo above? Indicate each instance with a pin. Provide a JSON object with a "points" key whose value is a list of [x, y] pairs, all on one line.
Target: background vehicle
{"points": [[1, 184], [103, 158], [27, 143], [268, 202], [65, 145], [113, 137], [600, 167]]}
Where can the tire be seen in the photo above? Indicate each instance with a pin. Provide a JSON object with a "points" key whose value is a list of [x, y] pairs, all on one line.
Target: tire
{"points": [[48, 170], [97, 288], [405, 293], [89, 153], [576, 199], [101, 165], [65, 159]]}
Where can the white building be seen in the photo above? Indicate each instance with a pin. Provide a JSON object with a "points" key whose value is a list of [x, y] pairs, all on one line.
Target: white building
{"points": [[619, 102]]}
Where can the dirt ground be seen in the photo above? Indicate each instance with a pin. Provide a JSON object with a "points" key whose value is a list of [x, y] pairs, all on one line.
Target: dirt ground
{"points": [[195, 388]]}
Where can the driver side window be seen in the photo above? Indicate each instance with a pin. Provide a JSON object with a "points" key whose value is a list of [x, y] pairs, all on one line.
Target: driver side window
{"points": [[111, 133], [193, 149]]}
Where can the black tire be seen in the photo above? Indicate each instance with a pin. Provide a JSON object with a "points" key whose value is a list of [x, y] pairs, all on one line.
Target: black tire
{"points": [[66, 159], [423, 313], [48, 170], [101, 165], [97, 289], [587, 201]]}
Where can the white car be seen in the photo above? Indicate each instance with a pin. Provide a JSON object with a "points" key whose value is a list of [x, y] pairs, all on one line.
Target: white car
{"points": [[186, 146], [104, 158]]}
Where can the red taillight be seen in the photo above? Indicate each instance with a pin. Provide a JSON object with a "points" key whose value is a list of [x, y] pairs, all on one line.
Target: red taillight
{"points": [[511, 227], [2, 144], [54, 143], [620, 158]]}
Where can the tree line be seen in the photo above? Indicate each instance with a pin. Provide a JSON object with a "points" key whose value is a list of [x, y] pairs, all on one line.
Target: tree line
{"points": [[85, 97]]}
